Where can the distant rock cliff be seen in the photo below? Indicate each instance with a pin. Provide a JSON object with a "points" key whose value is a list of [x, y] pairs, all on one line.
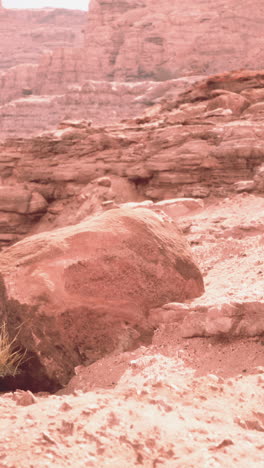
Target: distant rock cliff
{"points": [[161, 39], [26, 34], [69, 74]]}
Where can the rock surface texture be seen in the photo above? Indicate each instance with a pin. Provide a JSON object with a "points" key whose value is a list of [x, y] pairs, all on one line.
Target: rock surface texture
{"points": [[84, 291], [153, 39], [26, 34], [160, 413], [199, 144], [127, 41], [116, 348], [103, 102]]}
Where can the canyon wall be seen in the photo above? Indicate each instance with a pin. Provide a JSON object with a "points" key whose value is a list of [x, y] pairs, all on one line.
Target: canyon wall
{"points": [[40, 53], [26, 34], [124, 41], [102, 102], [206, 142], [31, 42], [161, 39]]}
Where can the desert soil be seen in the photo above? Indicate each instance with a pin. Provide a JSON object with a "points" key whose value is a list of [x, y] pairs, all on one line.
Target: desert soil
{"points": [[178, 402]]}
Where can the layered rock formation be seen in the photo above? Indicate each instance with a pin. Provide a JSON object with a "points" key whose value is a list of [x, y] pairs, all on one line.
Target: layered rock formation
{"points": [[153, 39], [101, 101], [124, 41], [26, 34], [197, 145], [32, 40]]}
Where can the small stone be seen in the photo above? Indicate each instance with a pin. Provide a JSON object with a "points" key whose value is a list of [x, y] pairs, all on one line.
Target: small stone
{"points": [[48, 438], [244, 186], [23, 398], [224, 443], [213, 377], [65, 406], [104, 181], [258, 370], [67, 427]]}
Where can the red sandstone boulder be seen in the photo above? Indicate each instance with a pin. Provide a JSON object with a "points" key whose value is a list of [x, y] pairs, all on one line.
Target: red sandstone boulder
{"points": [[20, 208], [19, 200], [84, 291], [226, 100]]}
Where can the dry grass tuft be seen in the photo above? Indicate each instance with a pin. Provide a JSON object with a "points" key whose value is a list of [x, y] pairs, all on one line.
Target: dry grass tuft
{"points": [[10, 357]]}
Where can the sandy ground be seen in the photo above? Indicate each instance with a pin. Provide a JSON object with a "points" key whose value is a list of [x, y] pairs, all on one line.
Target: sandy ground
{"points": [[177, 403]]}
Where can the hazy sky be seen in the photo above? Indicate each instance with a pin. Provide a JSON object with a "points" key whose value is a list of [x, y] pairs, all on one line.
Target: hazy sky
{"points": [[75, 4]]}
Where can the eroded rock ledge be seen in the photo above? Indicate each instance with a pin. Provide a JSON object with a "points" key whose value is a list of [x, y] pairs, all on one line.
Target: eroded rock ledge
{"points": [[206, 142]]}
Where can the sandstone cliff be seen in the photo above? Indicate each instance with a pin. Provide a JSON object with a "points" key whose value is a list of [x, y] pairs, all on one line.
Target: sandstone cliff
{"points": [[161, 39], [31, 41], [26, 34], [128, 40]]}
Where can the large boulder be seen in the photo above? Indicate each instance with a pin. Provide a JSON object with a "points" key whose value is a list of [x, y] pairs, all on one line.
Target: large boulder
{"points": [[19, 210], [80, 292]]}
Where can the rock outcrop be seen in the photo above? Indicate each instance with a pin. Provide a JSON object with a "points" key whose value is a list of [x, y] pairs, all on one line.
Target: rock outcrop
{"points": [[153, 39], [124, 41], [227, 238], [102, 101], [132, 40], [84, 291], [39, 52], [26, 34], [199, 144]]}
